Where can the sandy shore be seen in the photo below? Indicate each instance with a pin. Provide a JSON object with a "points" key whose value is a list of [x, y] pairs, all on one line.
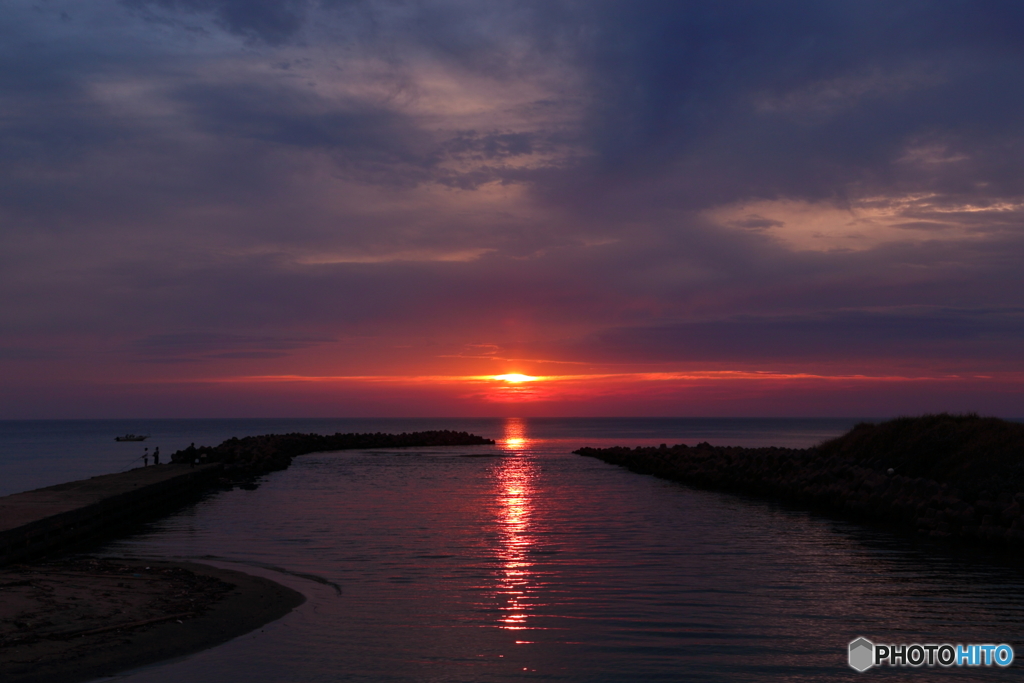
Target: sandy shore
{"points": [[79, 619]]}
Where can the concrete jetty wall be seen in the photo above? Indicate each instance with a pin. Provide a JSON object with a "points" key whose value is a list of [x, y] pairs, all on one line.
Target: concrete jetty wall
{"points": [[69, 516]]}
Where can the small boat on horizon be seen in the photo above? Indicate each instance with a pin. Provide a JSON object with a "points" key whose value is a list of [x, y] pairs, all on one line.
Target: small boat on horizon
{"points": [[132, 437]]}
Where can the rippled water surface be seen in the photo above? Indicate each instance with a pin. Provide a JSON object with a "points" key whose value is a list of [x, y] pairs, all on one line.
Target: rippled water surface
{"points": [[521, 561]]}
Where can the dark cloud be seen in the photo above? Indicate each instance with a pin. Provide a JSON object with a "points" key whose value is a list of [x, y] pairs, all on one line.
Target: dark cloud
{"points": [[797, 99], [377, 144], [206, 346], [270, 21], [991, 336], [489, 146], [729, 99], [755, 222]]}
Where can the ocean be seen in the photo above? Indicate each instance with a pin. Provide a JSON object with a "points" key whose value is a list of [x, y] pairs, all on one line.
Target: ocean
{"points": [[522, 561]]}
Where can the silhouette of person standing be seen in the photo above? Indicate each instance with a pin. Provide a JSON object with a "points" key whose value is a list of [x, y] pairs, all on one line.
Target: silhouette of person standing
{"points": [[156, 455], [145, 458]]}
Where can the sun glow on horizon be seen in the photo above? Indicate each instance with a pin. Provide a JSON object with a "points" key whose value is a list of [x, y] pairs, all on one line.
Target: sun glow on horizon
{"points": [[516, 378]]}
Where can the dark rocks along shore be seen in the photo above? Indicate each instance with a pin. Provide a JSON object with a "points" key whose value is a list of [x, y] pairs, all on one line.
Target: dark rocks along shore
{"points": [[255, 455], [943, 476]]}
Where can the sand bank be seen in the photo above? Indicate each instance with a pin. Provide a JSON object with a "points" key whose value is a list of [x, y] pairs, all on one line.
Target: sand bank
{"points": [[79, 619]]}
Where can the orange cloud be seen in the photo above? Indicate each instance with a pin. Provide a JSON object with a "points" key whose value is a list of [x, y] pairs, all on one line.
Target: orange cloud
{"points": [[514, 388]]}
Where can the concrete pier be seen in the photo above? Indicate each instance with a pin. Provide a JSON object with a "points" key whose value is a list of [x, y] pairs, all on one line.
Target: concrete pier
{"points": [[68, 516]]}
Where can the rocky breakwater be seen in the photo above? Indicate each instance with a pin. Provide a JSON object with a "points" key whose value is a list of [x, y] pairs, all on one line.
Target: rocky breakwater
{"points": [[251, 456], [958, 477]]}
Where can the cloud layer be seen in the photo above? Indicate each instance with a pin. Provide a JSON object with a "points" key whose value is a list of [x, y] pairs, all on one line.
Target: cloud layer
{"points": [[202, 189]]}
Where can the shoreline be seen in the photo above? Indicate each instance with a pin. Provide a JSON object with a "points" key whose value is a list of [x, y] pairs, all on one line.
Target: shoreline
{"points": [[79, 619]]}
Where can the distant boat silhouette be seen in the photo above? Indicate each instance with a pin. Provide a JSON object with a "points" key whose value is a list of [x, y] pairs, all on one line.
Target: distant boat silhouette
{"points": [[131, 437]]}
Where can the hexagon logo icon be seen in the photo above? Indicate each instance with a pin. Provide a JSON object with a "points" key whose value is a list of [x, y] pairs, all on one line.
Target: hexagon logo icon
{"points": [[862, 654]]}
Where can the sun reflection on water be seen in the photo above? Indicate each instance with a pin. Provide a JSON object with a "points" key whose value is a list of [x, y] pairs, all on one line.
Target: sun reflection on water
{"points": [[515, 490], [515, 438]]}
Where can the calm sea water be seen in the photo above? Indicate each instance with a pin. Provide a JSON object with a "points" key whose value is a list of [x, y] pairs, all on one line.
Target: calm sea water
{"points": [[38, 453], [521, 561]]}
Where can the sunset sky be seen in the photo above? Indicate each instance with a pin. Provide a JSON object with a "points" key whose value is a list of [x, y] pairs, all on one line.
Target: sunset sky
{"points": [[216, 208]]}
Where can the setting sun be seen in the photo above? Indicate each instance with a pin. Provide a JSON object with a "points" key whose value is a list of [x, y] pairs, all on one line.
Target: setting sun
{"points": [[516, 378]]}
